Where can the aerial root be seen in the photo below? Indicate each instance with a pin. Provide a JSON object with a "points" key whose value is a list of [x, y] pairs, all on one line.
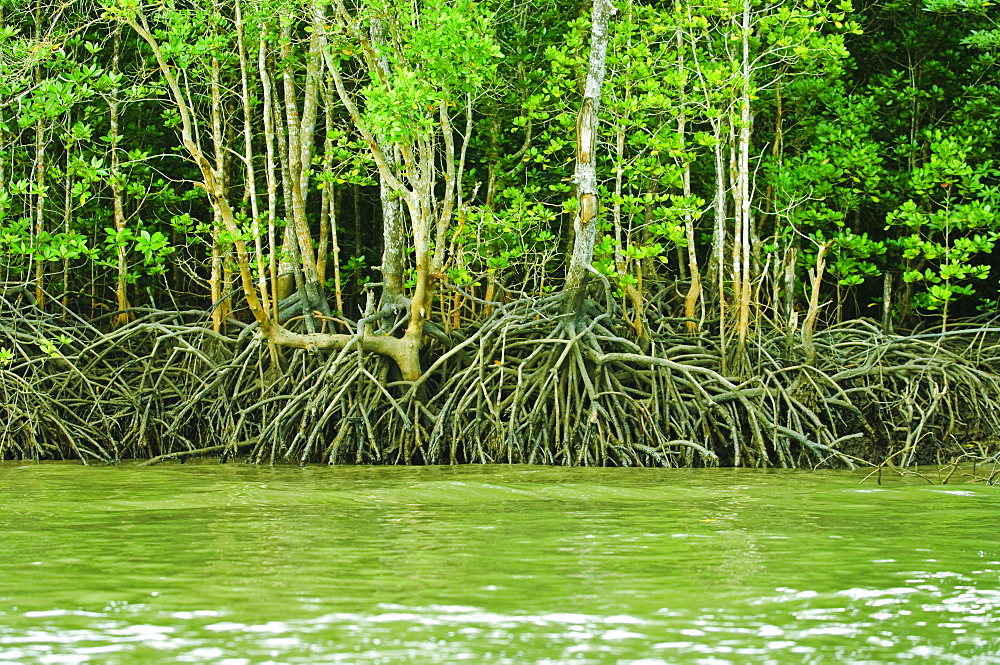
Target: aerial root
{"points": [[532, 384], [550, 388]]}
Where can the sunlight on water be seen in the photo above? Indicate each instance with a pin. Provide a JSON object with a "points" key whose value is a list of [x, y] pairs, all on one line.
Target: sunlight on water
{"points": [[230, 564]]}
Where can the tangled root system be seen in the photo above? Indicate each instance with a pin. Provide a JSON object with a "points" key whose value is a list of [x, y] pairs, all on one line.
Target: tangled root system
{"points": [[532, 384]]}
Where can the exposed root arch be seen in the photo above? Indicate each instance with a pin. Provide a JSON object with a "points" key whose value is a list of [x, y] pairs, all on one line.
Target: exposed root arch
{"points": [[549, 387], [923, 398], [532, 384]]}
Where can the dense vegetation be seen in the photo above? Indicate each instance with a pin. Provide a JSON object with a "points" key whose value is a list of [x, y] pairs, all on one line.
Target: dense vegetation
{"points": [[690, 232]]}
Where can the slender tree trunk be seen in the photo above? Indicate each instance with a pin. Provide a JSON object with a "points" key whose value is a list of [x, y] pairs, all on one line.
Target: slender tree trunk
{"points": [[338, 287], [300, 128], [290, 277], [121, 287], [585, 174], [67, 209], [40, 166], [248, 156], [809, 325], [743, 174], [790, 263], [632, 291], [40, 173], [450, 186], [887, 302], [420, 205], [776, 154], [694, 290], [394, 240], [718, 262], [356, 207], [328, 191], [267, 111], [221, 305]]}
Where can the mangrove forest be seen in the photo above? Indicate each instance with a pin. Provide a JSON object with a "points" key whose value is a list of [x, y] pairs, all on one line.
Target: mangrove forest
{"points": [[752, 233]]}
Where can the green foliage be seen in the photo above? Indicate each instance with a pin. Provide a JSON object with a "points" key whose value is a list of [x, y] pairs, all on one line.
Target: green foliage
{"points": [[872, 132], [445, 52], [516, 238], [951, 222]]}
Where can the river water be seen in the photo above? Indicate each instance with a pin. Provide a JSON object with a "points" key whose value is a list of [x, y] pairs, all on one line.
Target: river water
{"points": [[210, 563]]}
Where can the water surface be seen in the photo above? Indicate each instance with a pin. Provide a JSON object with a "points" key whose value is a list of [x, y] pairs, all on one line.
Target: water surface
{"points": [[209, 563]]}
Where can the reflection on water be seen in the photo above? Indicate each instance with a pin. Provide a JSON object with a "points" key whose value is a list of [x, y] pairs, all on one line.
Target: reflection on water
{"points": [[230, 564]]}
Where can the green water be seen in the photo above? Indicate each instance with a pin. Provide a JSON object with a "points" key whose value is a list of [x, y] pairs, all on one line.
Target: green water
{"points": [[209, 563]]}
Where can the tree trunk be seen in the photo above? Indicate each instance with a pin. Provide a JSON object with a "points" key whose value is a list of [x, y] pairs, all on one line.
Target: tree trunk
{"points": [[40, 165], [694, 290], [219, 285], [717, 264], [248, 156], [269, 170], [121, 286], [393, 231], [743, 295], [585, 173], [300, 127]]}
